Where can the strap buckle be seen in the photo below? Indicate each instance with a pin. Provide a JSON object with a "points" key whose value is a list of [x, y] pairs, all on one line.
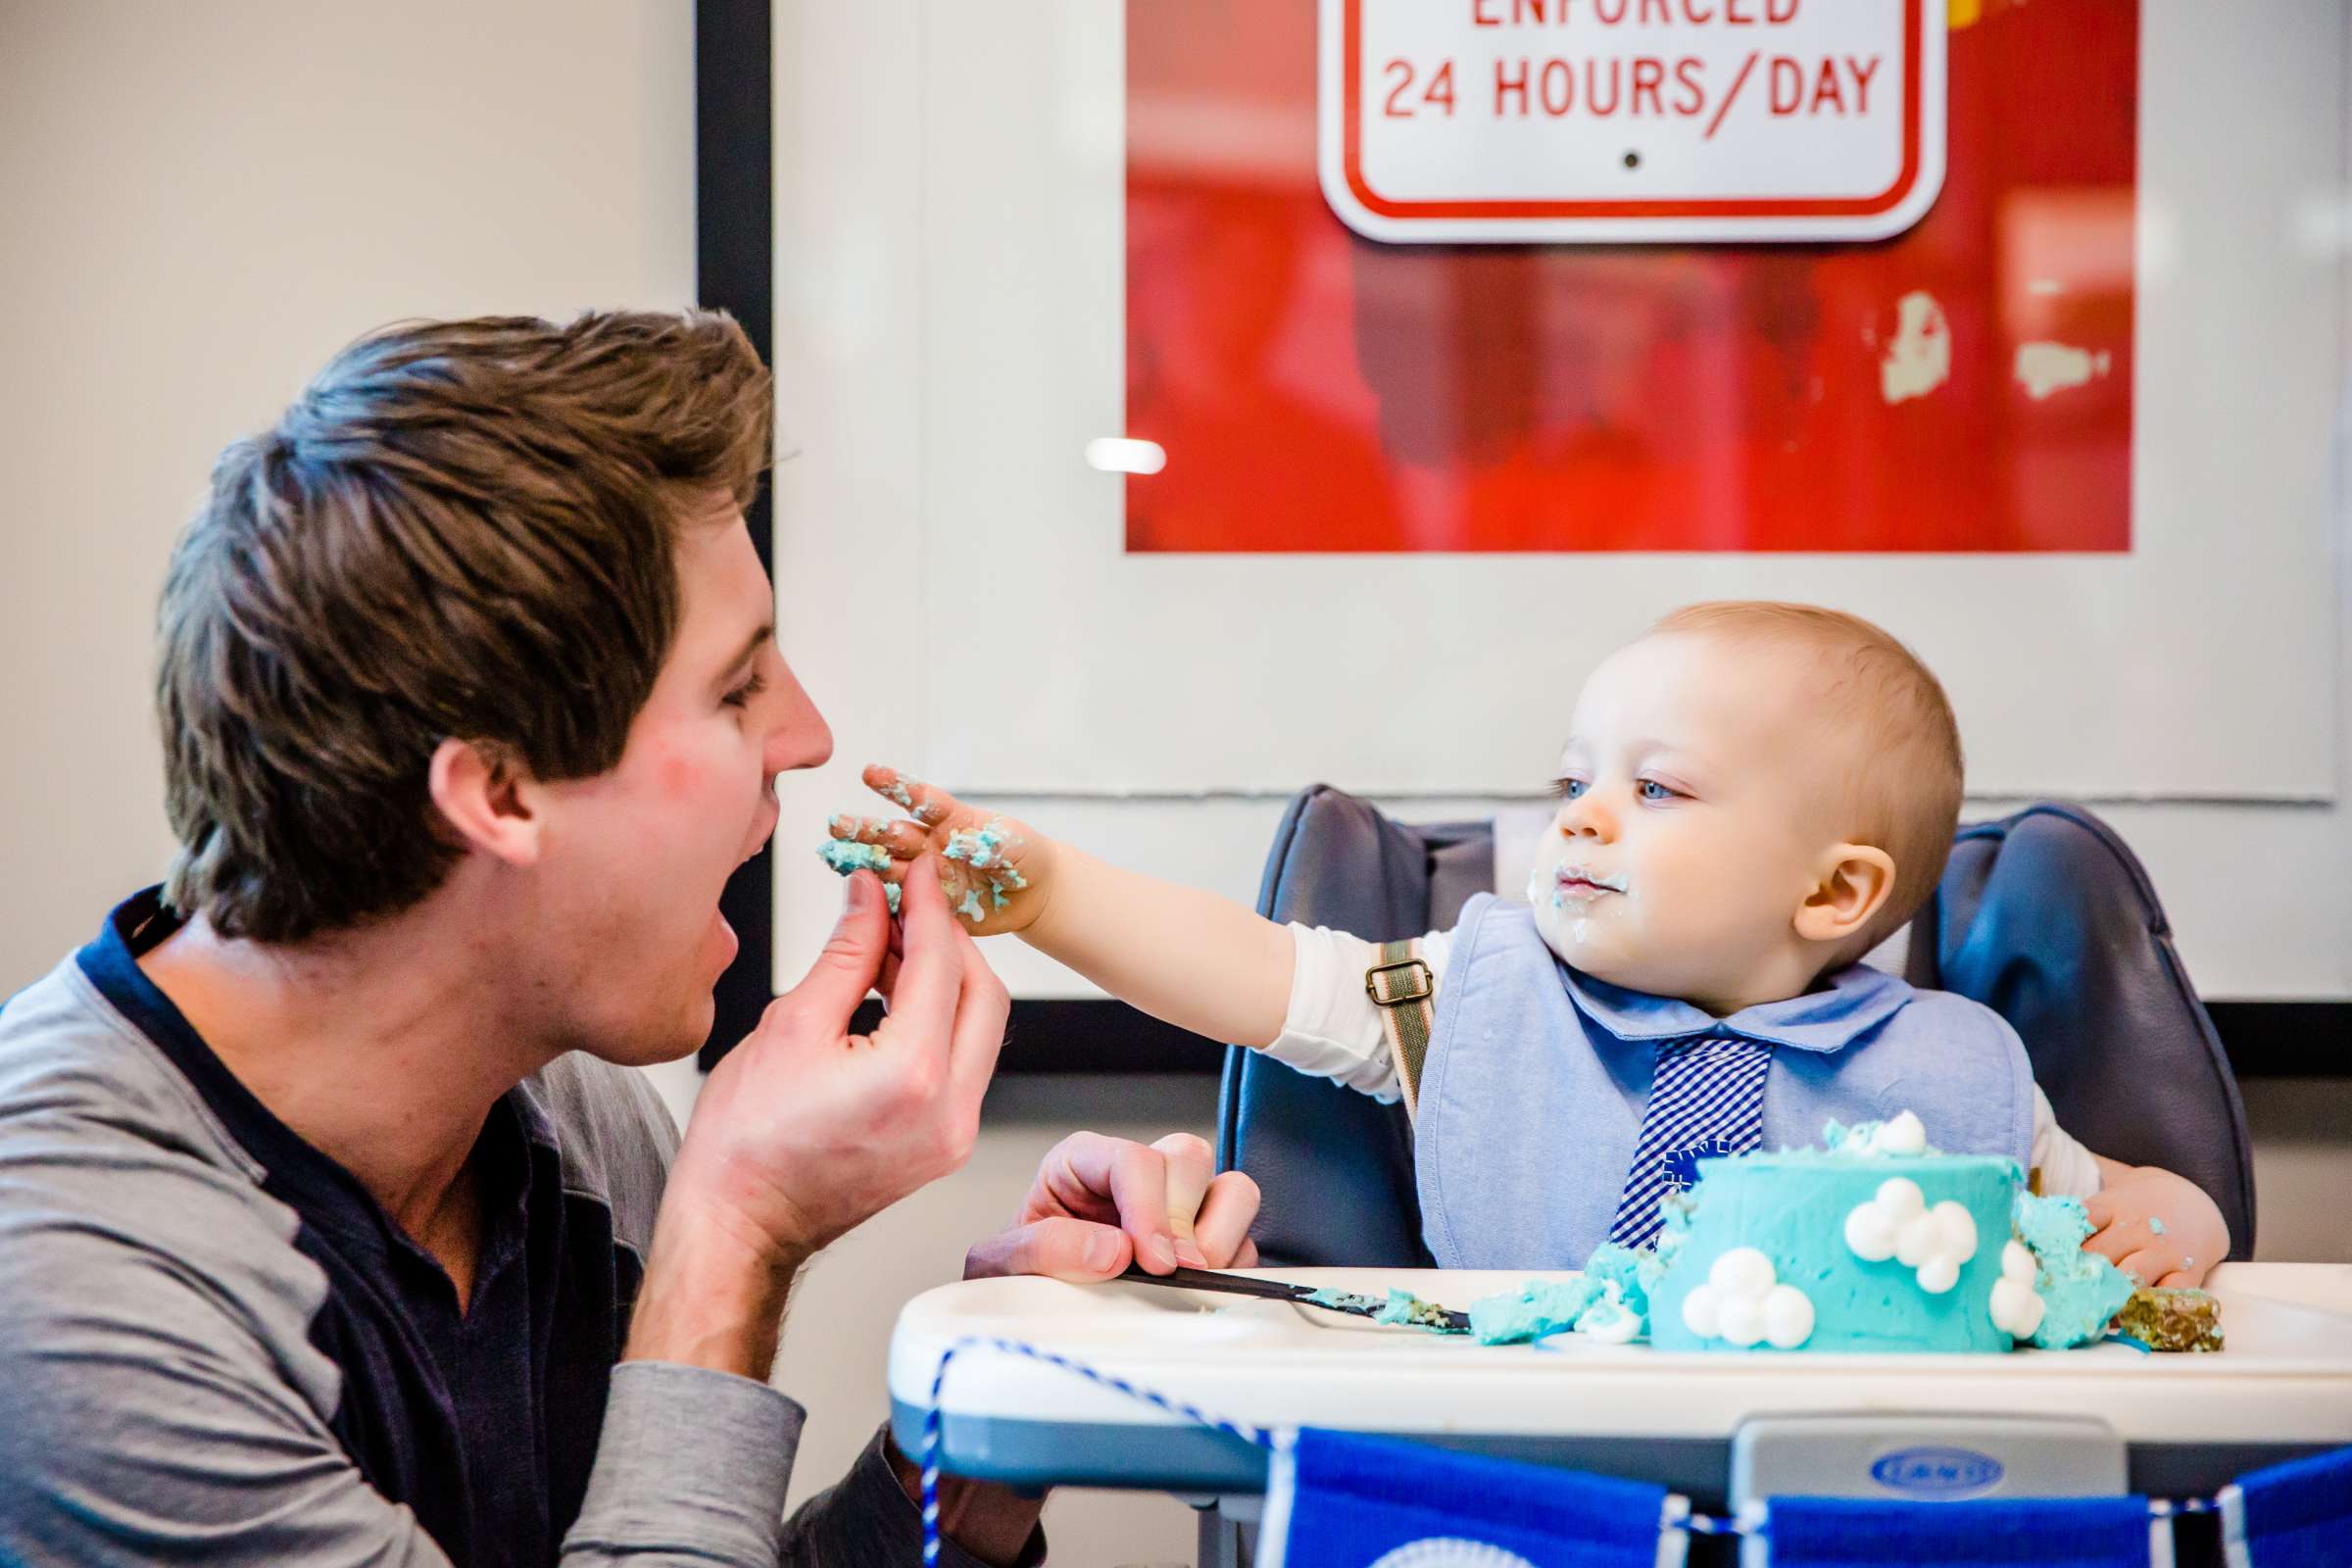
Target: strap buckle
{"points": [[1419, 990]]}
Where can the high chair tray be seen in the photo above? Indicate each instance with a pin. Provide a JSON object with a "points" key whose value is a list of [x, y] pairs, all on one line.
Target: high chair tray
{"points": [[2282, 1388]]}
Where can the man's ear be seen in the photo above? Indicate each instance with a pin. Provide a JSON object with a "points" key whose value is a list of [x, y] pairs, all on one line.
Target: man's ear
{"points": [[1856, 881], [485, 797]]}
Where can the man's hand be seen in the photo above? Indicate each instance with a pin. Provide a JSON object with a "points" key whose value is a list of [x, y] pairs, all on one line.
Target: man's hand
{"points": [[997, 872], [1100, 1201], [806, 1130], [2159, 1228]]}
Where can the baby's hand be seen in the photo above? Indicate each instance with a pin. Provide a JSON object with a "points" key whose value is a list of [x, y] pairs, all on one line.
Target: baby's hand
{"points": [[2159, 1228], [995, 871]]}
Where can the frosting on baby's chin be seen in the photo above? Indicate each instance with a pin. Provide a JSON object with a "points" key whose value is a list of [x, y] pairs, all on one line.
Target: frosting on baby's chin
{"points": [[1569, 928]]}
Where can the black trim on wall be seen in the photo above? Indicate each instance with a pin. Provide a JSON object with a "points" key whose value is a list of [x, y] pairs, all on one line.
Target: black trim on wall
{"points": [[734, 248], [2286, 1039], [2264, 1039]]}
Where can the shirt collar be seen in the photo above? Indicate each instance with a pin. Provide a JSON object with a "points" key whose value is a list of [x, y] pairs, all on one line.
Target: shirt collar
{"points": [[1856, 1000], [313, 1182]]}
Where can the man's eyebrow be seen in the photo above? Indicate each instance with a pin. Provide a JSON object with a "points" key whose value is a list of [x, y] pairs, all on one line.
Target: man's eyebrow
{"points": [[751, 649]]}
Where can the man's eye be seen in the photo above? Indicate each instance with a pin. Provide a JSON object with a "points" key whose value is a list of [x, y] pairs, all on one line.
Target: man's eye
{"points": [[1568, 789], [741, 695], [1649, 789]]}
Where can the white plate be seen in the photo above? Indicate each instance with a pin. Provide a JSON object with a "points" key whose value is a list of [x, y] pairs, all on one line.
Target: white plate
{"points": [[2285, 1376]]}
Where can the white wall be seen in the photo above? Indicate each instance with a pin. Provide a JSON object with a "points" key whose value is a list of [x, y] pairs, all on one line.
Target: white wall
{"points": [[202, 204]]}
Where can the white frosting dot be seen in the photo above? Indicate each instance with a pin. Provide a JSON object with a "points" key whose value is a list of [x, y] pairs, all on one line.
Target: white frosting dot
{"points": [[1788, 1318], [2015, 1308], [1898, 1223], [1869, 1233], [1741, 1273], [1955, 1231], [1700, 1313], [1904, 1135], [1915, 1241], [1741, 1321], [1620, 1329], [2017, 1263], [1900, 1196]]}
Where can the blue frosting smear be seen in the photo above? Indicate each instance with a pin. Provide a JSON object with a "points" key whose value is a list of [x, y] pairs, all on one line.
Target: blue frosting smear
{"points": [[980, 847], [1858, 1141], [983, 849], [1402, 1308], [1613, 1287], [2080, 1291], [1536, 1308], [845, 857], [1632, 1272]]}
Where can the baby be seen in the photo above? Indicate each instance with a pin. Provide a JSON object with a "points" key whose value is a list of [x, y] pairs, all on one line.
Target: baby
{"points": [[1751, 796]]}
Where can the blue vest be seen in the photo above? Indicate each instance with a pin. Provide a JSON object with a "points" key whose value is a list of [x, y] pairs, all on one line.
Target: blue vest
{"points": [[1531, 1093]]}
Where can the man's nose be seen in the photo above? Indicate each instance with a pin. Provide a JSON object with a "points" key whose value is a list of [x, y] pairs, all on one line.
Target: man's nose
{"points": [[799, 737]]}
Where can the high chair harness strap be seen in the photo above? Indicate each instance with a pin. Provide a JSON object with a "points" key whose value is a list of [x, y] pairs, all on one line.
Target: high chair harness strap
{"points": [[1400, 987]]}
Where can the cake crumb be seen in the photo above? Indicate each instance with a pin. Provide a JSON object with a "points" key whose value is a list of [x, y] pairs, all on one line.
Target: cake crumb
{"points": [[2166, 1318]]}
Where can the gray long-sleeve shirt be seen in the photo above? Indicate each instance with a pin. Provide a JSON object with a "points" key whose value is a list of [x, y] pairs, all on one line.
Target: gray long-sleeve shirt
{"points": [[215, 1345]]}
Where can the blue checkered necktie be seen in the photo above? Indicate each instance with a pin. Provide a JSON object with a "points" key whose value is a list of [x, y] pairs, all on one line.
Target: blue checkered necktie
{"points": [[1706, 1098]]}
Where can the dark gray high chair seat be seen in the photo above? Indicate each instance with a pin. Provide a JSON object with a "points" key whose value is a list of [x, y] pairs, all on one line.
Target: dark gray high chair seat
{"points": [[2044, 916]]}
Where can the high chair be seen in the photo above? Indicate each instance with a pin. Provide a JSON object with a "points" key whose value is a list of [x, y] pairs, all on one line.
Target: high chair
{"points": [[2044, 915]]}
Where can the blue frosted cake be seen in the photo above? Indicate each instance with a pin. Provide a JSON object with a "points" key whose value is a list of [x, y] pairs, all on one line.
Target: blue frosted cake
{"points": [[1874, 1241]]}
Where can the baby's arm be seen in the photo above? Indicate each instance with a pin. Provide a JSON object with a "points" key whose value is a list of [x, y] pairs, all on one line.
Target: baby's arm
{"points": [[1200, 962], [2160, 1228]]}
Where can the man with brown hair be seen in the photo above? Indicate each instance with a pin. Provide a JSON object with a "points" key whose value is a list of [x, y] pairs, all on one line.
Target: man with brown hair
{"points": [[333, 1227]]}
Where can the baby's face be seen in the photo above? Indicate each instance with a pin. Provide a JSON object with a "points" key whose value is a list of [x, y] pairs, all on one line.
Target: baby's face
{"points": [[1697, 807]]}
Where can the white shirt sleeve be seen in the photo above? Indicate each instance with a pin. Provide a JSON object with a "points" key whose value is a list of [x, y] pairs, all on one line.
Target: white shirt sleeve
{"points": [[2067, 1168], [1332, 1030]]}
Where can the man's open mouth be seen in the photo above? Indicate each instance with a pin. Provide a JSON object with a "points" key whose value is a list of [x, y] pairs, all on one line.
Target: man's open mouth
{"points": [[774, 815]]}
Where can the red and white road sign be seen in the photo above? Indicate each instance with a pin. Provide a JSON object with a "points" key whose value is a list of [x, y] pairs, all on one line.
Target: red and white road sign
{"points": [[1625, 120]]}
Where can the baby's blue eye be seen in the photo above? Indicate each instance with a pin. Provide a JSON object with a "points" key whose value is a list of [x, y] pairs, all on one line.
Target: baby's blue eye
{"points": [[1650, 789], [1568, 789]]}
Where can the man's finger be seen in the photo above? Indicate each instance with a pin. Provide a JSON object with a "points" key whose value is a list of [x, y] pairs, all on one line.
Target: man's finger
{"points": [[1221, 1230], [982, 1005], [852, 956], [1191, 1164], [1065, 1249], [924, 999], [1074, 1179], [1139, 1185]]}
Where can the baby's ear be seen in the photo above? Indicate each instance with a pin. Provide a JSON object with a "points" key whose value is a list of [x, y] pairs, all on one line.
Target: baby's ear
{"points": [[1855, 884]]}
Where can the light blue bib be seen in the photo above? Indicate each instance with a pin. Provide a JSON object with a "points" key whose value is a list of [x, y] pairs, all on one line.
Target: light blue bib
{"points": [[1530, 1095]]}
